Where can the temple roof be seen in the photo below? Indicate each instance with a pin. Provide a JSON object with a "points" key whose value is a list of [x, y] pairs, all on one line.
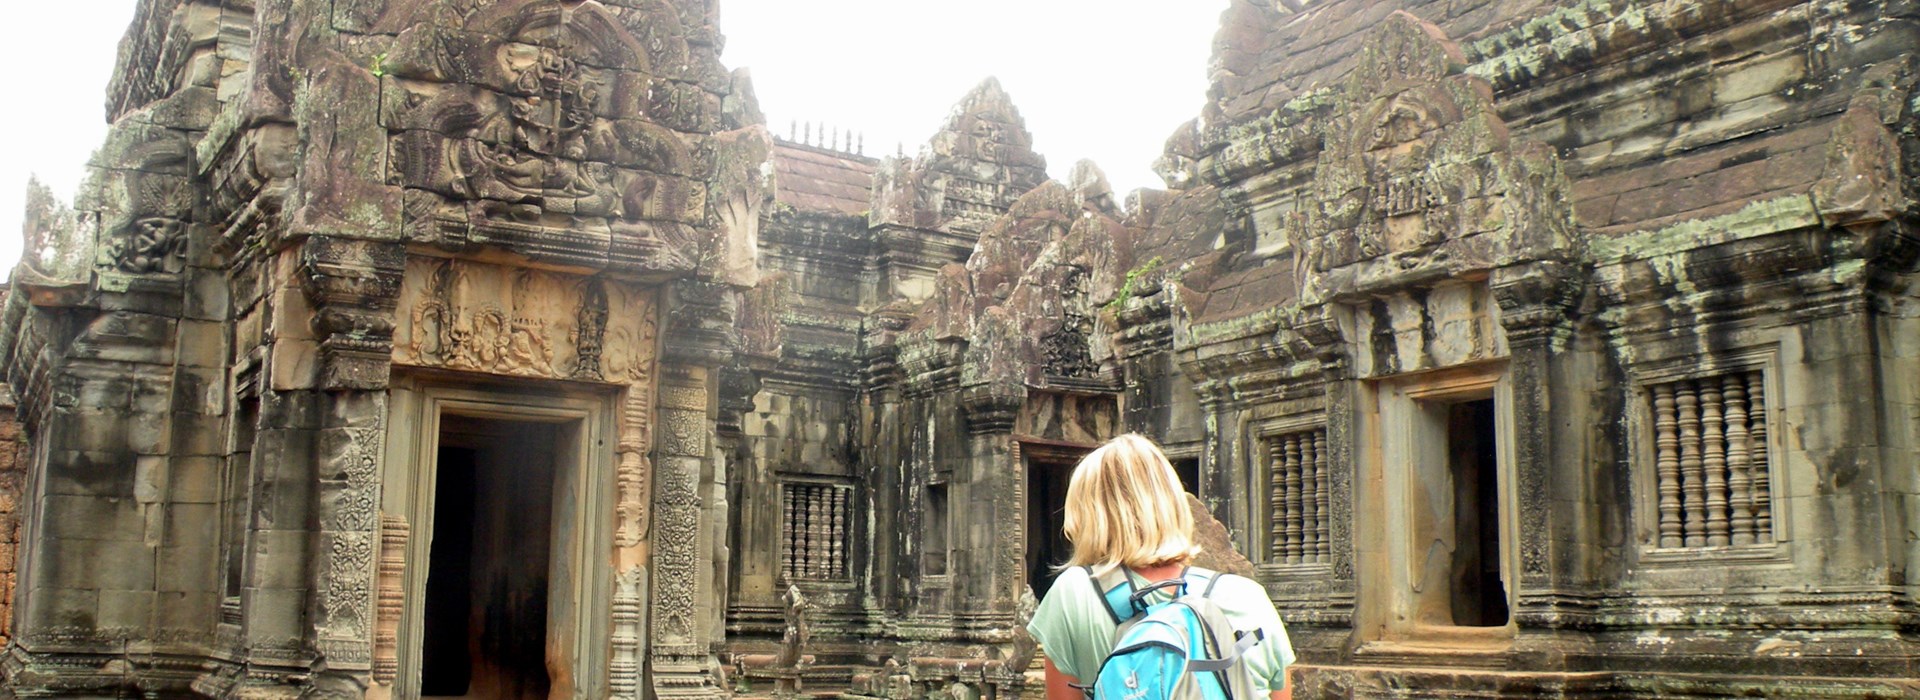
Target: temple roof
{"points": [[819, 180]]}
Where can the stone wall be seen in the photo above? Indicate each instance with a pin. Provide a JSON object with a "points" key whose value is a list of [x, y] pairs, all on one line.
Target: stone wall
{"points": [[14, 465]]}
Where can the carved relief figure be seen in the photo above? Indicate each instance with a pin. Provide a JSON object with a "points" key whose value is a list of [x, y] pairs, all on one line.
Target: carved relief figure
{"points": [[484, 318], [151, 245]]}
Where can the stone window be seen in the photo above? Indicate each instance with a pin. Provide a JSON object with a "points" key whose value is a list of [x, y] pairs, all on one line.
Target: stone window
{"points": [[1712, 463], [1298, 497], [814, 534]]}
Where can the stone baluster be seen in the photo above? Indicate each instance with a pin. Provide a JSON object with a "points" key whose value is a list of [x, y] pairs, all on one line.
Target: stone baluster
{"points": [[395, 532], [816, 531], [1293, 499], [1309, 501], [837, 552], [1323, 496], [1759, 455], [1713, 438], [788, 524], [1667, 448], [1277, 499], [1693, 504], [1739, 471]]}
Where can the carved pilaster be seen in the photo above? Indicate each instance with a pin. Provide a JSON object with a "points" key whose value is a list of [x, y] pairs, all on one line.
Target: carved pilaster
{"points": [[1535, 298], [350, 530], [700, 338]]}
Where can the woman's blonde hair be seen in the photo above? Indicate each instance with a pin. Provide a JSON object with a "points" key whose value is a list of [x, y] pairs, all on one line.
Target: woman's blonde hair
{"points": [[1125, 506]]}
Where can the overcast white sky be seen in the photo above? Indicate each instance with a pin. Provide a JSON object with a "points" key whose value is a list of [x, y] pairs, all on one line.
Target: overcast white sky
{"points": [[1107, 80]]}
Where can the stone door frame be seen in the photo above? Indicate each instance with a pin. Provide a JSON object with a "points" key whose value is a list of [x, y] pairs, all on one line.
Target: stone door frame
{"points": [[1392, 432], [580, 584]]}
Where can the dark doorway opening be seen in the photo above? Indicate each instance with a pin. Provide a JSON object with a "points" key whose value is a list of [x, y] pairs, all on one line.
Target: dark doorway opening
{"points": [[1047, 545], [1188, 469], [489, 562], [1479, 594]]}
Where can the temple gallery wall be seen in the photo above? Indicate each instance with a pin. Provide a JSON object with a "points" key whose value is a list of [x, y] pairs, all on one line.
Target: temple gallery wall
{"points": [[443, 348]]}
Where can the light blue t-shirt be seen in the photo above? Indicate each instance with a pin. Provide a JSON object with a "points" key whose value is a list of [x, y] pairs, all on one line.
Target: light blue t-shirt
{"points": [[1074, 628]]}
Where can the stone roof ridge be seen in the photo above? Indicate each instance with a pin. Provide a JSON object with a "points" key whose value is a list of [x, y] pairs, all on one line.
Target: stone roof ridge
{"points": [[827, 138]]}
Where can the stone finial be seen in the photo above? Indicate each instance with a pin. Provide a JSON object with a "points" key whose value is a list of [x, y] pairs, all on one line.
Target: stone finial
{"points": [[1090, 187]]}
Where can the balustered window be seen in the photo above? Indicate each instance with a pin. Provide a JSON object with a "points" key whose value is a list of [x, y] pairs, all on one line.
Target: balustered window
{"points": [[1712, 461], [814, 531], [1298, 497]]}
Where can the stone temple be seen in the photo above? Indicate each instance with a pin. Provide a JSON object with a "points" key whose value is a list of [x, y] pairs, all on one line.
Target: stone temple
{"points": [[449, 348]]}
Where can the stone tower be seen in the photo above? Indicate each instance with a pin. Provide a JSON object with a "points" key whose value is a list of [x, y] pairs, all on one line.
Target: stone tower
{"points": [[353, 345]]}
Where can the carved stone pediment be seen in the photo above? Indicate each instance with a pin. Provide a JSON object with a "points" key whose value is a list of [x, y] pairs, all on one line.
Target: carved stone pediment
{"points": [[541, 127], [1420, 180]]}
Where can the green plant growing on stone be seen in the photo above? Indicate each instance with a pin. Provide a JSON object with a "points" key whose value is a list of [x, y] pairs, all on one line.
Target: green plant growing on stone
{"points": [[379, 66], [1134, 276]]}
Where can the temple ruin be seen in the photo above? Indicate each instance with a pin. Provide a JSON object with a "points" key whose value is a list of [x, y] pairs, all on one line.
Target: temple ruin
{"points": [[448, 348]]}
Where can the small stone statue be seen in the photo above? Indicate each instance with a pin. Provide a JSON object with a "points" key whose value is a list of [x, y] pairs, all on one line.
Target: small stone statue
{"points": [[793, 643]]}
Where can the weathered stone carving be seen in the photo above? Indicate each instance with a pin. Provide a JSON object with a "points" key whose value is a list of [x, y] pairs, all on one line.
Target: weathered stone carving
{"points": [[793, 643], [1419, 179], [394, 536], [629, 621], [589, 336], [1863, 181], [152, 245], [1025, 647]]}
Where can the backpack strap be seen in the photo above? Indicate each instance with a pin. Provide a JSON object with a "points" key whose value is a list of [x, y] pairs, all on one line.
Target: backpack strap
{"points": [[1116, 588]]}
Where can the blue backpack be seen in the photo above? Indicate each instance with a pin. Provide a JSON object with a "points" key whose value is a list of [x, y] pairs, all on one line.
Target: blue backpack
{"points": [[1181, 649]]}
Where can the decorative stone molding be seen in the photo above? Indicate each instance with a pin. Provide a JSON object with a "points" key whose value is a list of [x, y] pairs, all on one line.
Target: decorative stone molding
{"points": [[354, 288], [394, 536]]}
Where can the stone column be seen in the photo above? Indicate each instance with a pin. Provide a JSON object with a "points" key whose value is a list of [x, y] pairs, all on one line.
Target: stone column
{"points": [[1534, 299], [1322, 333], [689, 486], [353, 287], [987, 571]]}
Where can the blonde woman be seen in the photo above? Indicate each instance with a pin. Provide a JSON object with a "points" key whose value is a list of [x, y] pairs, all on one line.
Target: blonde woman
{"points": [[1126, 510]]}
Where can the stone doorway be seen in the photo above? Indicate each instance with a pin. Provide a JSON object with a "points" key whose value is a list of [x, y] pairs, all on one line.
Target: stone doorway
{"points": [[1478, 596], [507, 589], [1438, 499], [1048, 471], [489, 559]]}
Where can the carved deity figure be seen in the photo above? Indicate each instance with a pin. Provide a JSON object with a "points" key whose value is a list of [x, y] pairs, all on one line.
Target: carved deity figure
{"points": [[152, 245], [537, 150]]}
